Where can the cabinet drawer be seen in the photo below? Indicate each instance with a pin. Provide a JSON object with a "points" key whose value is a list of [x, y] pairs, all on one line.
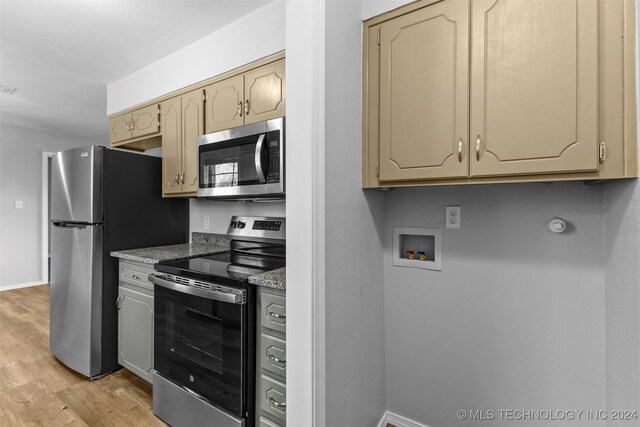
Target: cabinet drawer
{"points": [[273, 354], [135, 274], [273, 311], [265, 422], [273, 397]]}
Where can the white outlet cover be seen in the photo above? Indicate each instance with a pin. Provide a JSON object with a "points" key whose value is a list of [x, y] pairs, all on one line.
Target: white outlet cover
{"points": [[18, 204], [453, 216]]}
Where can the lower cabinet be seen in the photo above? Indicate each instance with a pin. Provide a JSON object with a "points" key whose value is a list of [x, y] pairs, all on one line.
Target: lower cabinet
{"points": [[135, 319], [271, 358]]}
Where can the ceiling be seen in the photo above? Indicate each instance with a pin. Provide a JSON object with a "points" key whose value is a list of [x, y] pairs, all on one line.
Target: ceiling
{"points": [[61, 54]]}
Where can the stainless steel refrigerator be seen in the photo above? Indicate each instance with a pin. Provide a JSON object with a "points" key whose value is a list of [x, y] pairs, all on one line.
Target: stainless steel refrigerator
{"points": [[101, 200]]}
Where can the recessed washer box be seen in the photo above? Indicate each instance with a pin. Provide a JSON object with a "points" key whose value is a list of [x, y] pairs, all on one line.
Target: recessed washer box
{"points": [[420, 243]]}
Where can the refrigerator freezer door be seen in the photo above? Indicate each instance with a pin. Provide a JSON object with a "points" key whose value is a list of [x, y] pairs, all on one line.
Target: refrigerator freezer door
{"points": [[76, 296], [76, 185]]}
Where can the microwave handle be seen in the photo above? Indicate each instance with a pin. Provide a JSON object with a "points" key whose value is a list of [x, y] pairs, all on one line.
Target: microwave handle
{"points": [[258, 159]]}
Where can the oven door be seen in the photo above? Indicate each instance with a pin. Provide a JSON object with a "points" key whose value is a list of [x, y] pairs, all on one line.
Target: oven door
{"points": [[201, 344], [242, 162]]}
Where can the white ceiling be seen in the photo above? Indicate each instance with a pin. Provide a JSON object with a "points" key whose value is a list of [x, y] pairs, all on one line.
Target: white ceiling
{"points": [[62, 54]]}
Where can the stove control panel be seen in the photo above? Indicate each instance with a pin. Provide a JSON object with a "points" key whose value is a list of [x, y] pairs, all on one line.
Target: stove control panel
{"points": [[259, 227]]}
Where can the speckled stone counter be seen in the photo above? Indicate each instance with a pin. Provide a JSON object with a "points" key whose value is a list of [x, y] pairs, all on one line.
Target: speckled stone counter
{"points": [[204, 244], [271, 279]]}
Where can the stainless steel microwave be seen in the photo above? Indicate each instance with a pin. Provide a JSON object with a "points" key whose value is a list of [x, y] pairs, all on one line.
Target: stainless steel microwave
{"points": [[246, 162]]}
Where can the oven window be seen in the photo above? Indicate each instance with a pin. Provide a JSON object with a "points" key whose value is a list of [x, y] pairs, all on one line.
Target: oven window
{"points": [[199, 344]]}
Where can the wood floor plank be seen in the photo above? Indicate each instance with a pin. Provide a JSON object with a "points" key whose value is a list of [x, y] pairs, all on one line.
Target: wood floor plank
{"points": [[38, 390]]}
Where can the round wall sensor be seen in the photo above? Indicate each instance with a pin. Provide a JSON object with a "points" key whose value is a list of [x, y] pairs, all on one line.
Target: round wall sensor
{"points": [[557, 225]]}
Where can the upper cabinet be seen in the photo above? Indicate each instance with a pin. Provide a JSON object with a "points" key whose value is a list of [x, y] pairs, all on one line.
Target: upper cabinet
{"points": [[225, 104], [143, 122], [424, 107], [533, 92], [534, 99], [183, 118], [264, 91], [246, 98]]}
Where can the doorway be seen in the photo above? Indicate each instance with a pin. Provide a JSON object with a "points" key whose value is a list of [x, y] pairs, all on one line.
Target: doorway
{"points": [[46, 216]]}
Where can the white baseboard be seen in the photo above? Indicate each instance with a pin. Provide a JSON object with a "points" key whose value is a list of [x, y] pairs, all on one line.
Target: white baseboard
{"points": [[20, 285], [398, 421]]}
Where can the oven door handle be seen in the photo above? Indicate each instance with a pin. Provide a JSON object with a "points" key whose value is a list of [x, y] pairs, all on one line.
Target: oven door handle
{"points": [[230, 297], [258, 159]]}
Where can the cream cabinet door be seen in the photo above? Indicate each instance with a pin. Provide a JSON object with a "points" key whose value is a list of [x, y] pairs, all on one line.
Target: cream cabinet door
{"points": [[424, 74], [119, 128], [192, 127], [145, 121], [224, 106], [171, 145], [265, 93], [534, 99]]}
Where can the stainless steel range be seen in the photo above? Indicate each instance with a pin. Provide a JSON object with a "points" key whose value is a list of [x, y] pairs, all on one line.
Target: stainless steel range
{"points": [[204, 328]]}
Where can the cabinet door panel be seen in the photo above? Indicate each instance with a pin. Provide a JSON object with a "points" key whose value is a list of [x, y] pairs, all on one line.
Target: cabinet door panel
{"points": [[135, 332], [424, 107], [265, 92], [171, 145], [534, 86], [145, 121], [119, 128], [192, 127], [224, 104]]}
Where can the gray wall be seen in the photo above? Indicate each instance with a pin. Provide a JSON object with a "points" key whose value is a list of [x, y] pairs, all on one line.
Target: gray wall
{"points": [[516, 317], [21, 179], [355, 387], [621, 252]]}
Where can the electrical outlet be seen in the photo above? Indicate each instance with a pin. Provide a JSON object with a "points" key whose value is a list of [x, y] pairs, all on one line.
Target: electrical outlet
{"points": [[452, 216], [18, 204], [206, 222]]}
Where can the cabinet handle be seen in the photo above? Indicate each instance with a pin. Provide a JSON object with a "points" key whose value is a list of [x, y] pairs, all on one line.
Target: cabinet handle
{"points": [[277, 404], [240, 108], [119, 302], [460, 150], [275, 359], [133, 124], [478, 148], [246, 107], [277, 316], [177, 180], [135, 276], [183, 177], [128, 126]]}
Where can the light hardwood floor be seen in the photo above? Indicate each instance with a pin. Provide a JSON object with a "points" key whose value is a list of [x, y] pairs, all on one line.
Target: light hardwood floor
{"points": [[37, 390]]}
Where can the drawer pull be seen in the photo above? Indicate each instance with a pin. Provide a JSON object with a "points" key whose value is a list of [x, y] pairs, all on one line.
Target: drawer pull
{"points": [[277, 404], [275, 359], [277, 316], [135, 276]]}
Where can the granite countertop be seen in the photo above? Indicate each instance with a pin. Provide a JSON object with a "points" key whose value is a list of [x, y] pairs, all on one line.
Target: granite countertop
{"points": [[203, 244], [271, 279]]}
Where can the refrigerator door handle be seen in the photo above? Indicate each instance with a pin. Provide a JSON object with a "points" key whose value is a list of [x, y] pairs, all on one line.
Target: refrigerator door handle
{"points": [[71, 226]]}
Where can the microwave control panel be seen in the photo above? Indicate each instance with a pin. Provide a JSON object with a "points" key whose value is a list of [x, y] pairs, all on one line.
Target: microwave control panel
{"points": [[273, 175]]}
